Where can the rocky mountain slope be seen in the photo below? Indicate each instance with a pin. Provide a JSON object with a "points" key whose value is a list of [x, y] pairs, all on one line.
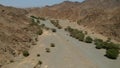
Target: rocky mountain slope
{"points": [[15, 33], [101, 16]]}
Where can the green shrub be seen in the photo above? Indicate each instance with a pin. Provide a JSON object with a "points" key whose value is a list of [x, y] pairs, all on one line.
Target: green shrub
{"points": [[99, 43], [108, 40], [56, 24], [39, 32], [33, 17], [85, 32], [42, 25], [79, 21], [52, 45], [38, 21], [42, 18], [11, 61], [47, 50], [25, 53], [75, 33], [53, 30], [88, 39], [39, 62], [38, 55], [112, 53], [81, 37], [111, 45]]}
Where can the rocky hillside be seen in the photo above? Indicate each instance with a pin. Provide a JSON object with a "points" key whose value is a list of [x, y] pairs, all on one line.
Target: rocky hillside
{"points": [[15, 33], [101, 16]]}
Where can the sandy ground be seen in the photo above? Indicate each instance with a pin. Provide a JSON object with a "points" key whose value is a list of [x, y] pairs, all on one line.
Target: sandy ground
{"points": [[67, 53]]}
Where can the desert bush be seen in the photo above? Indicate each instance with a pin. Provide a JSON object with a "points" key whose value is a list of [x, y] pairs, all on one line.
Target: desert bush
{"points": [[85, 32], [33, 17], [75, 33], [38, 55], [81, 37], [79, 21], [40, 62], [47, 50], [56, 23], [38, 21], [108, 40], [112, 53], [42, 18], [99, 43], [111, 45], [11, 61], [42, 25], [53, 30], [52, 45], [40, 31], [26, 53], [88, 39]]}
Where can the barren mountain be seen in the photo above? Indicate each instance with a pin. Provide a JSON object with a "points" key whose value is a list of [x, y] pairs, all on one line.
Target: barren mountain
{"points": [[15, 33], [101, 16]]}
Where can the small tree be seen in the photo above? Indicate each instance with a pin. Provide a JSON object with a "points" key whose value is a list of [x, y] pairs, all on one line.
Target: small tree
{"points": [[88, 39], [112, 53]]}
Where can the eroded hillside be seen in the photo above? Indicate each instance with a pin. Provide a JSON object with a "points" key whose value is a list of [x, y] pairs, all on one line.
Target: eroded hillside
{"points": [[16, 35]]}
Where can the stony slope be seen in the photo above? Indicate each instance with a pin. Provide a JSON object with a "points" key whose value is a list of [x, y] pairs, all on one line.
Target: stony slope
{"points": [[15, 33], [101, 16]]}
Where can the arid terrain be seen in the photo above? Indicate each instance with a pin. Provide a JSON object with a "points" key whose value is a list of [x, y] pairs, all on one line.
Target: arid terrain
{"points": [[101, 16], [67, 53], [61, 36]]}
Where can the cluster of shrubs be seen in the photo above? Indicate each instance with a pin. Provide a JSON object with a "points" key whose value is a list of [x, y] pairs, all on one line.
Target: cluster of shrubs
{"points": [[36, 22], [39, 18], [56, 23], [88, 39], [75, 33], [112, 49]]}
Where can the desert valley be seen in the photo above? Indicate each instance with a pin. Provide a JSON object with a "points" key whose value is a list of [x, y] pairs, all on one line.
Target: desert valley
{"points": [[65, 35]]}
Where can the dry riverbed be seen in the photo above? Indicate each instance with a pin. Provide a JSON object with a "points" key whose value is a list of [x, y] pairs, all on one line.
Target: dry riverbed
{"points": [[67, 53]]}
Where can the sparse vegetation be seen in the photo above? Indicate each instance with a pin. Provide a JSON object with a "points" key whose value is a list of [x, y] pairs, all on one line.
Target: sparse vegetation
{"points": [[86, 32], [38, 55], [42, 18], [88, 39], [52, 45], [112, 53], [26, 53], [36, 22], [40, 62], [112, 49], [99, 43], [40, 31], [53, 30], [79, 21], [75, 33], [11, 61], [56, 23], [47, 50]]}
